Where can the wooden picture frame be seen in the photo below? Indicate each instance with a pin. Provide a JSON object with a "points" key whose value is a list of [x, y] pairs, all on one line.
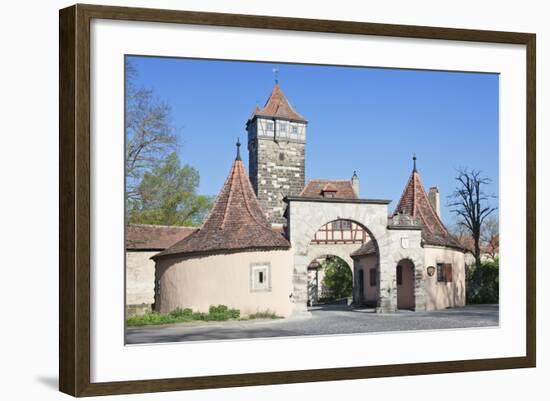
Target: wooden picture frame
{"points": [[74, 203]]}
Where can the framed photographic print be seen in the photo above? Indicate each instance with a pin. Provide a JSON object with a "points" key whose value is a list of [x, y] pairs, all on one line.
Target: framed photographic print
{"points": [[250, 200]]}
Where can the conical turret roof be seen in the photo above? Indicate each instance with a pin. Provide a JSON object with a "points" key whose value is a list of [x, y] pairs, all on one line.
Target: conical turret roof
{"points": [[278, 106], [414, 202], [235, 223]]}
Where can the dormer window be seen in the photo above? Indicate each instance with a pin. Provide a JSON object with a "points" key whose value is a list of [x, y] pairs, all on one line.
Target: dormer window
{"points": [[328, 191]]}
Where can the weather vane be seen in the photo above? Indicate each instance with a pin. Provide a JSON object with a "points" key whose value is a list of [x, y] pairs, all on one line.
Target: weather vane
{"points": [[276, 72]]}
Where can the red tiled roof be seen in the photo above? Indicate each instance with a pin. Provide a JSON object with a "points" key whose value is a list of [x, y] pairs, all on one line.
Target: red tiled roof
{"points": [[235, 223], [414, 202], [278, 106], [342, 189], [154, 237], [467, 242], [367, 248]]}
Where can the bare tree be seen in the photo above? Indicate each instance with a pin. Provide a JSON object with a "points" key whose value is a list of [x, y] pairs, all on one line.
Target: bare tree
{"points": [[469, 202], [150, 136], [490, 235]]}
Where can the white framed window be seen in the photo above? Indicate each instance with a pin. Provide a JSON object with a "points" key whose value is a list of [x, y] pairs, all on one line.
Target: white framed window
{"points": [[260, 276]]}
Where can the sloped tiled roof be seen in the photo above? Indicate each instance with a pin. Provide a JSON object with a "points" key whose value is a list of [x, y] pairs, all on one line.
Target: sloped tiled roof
{"points": [[367, 248], [278, 106], [154, 237], [414, 202], [342, 189], [235, 223]]}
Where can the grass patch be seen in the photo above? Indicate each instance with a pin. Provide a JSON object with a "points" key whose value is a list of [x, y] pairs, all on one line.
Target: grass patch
{"points": [[215, 313]]}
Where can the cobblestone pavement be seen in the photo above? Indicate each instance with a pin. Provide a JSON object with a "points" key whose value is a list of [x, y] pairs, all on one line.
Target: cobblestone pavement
{"points": [[323, 321]]}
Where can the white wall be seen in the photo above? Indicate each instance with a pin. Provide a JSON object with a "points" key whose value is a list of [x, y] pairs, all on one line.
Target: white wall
{"points": [[28, 161], [140, 278]]}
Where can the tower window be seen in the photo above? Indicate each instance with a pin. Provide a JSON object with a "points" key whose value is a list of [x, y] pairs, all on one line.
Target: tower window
{"points": [[282, 127], [269, 126], [294, 129], [281, 156]]}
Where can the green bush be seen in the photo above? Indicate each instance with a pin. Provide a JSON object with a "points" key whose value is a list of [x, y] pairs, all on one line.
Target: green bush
{"points": [[482, 285], [182, 313], [338, 279], [178, 315], [267, 314], [222, 312]]}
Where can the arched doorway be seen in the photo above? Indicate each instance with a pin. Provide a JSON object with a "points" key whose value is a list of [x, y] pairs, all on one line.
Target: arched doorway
{"points": [[405, 284], [330, 281], [352, 242]]}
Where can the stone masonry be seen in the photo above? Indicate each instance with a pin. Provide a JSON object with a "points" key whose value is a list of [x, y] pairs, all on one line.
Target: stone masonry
{"points": [[395, 242], [276, 165]]}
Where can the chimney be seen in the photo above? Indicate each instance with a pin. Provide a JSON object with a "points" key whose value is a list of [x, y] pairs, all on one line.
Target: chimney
{"points": [[355, 183], [433, 197]]}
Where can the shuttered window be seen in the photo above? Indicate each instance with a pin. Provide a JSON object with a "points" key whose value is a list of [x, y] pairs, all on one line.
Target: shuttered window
{"points": [[440, 273], [372, 277], [448, 272], [444, 273]]}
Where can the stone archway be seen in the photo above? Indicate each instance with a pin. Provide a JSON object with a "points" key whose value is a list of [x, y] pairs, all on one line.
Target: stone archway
{"points": [[394, 240], [317, 292], [306, 216]]}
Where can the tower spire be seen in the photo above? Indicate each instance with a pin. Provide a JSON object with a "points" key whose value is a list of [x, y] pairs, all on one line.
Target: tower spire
{"points": [[238, 150], [276, 73], [414, 162]]}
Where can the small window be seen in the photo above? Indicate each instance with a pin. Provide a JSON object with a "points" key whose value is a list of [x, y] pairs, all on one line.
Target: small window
{"points": [[399, 275], [282, 127], [341, 225], [444, 272], [372, 277], [260, 277], [269, 126], [294, 129], [281, 156]]}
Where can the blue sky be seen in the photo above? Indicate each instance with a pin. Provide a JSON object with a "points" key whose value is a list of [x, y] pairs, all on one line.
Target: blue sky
{"points": [[367, 119]]}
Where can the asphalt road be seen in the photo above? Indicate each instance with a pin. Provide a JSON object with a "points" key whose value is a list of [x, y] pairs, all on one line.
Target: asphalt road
{"points": [[323, 321]]}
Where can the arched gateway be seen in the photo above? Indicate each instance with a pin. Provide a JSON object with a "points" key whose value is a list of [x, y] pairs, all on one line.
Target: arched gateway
{"points": [[394, 239]]}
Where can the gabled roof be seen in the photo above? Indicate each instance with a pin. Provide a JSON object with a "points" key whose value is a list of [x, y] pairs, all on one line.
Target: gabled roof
{"points": [[342, 189], [278, 106], [414, 202], [235, 223], [149, 237]]}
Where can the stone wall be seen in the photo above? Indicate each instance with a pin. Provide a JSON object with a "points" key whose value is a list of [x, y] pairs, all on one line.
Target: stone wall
{"points": [[276, 170], [140, 281], [305, 218], [276, 167]]}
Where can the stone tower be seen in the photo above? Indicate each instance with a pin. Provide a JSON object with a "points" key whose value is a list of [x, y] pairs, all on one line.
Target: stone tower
{"points": [[276, 146]]}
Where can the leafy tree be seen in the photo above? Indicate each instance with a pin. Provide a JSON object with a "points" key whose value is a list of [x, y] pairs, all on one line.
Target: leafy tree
{"points": [[150, 136], [168, 195], [338, 279], [482, 283]]}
